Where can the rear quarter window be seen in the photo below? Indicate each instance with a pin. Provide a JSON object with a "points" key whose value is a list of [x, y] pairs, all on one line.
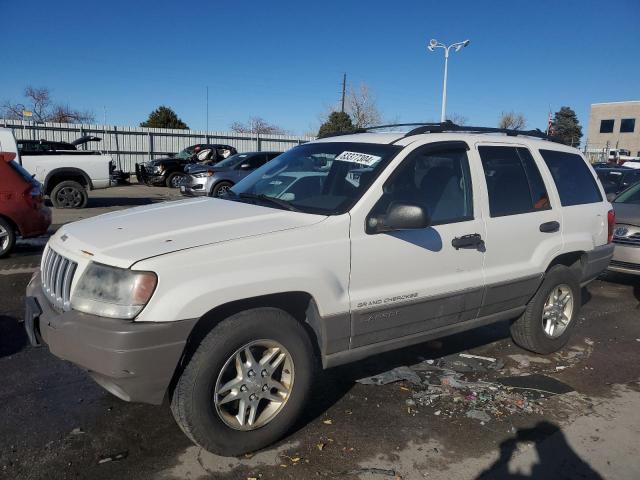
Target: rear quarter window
{"points": [[575, 183]]}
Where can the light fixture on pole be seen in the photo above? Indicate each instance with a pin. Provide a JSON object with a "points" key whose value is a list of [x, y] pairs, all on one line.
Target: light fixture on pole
{"points": [[433, 44]]}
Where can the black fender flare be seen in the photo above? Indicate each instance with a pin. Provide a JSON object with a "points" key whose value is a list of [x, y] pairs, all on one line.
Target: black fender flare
{"points": [[71, 171]]}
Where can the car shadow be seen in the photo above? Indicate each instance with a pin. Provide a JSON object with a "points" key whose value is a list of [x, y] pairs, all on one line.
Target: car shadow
{"points": [[13, 338], [335, 383], [624, 279], [556, 458]]}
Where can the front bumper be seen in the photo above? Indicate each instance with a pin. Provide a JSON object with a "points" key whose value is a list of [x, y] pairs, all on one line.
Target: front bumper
{"points": [[626, 259], [133, 360], [194, 187], [149, 177]]}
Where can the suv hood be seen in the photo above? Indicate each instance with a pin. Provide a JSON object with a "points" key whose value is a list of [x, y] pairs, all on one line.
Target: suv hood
{"points": [[126, 237]]}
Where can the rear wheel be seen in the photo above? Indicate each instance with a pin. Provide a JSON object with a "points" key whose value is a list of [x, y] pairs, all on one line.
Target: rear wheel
{"points": [[246, 383], [546, 324], [221, 189], [7, 238], [69, 194], [175, 180]]}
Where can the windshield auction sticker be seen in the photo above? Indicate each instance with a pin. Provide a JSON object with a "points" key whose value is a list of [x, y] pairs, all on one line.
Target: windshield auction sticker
{"points": [[359, 158]]}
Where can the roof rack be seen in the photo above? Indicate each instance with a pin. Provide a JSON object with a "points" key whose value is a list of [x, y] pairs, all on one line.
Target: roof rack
{"points": [[426, 127]]}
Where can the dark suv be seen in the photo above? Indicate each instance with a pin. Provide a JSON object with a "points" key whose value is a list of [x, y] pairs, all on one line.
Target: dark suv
{"points": [[169, 171]]}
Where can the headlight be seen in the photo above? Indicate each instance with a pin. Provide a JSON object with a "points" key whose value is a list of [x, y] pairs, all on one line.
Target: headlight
{"points": [[158, 169], [113, 292], [203, 174]]}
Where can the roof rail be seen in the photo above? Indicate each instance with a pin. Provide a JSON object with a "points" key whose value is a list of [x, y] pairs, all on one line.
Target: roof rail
{"points": [[427, 127], [452, 127]]}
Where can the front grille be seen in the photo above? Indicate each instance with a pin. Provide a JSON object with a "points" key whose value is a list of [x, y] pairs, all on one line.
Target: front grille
{"points": [[633, 240], [57, 274], [628, 265]]}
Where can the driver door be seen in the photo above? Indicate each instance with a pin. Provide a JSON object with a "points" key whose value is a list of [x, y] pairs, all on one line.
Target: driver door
{"points": [[405, 283]]}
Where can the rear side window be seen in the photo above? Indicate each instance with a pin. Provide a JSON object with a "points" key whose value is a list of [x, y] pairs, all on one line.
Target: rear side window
{"points": [[573, 178], [514, 182]]}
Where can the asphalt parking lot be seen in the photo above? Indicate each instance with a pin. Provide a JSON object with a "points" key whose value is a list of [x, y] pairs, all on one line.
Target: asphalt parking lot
{"points": [[495, 411]]}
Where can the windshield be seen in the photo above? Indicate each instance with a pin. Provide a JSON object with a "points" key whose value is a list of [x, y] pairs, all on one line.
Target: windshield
{"points": [[186, 153], [232, 160], [632, 195], [325, 178]]}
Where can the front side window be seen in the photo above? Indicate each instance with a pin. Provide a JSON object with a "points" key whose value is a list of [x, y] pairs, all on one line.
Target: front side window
{"points": [[514, 182], [437, 180], [627, 125], [572, 177], [326, 177], [606, 126]]}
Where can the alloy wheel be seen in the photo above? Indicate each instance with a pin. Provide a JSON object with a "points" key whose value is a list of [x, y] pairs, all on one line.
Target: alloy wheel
{"points": [[69, 197], [557, 311], [4, 238], [254, 385]]}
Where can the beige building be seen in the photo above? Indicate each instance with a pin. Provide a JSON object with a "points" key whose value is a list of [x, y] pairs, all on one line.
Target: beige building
{"points": [[614, 125]]}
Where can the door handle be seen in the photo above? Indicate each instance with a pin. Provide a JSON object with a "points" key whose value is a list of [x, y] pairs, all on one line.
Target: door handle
{"points": [[473, 240], [550, 227]]}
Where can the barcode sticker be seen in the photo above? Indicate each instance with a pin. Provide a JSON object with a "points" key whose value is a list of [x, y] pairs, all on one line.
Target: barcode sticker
{"points": [[359, 158]]}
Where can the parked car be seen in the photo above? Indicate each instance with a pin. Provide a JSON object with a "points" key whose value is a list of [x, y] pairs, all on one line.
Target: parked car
{"points": [[614, 180], [66, 174], [228, 305], [215, 180], [626, 235], [169, 171], [22, 209]]}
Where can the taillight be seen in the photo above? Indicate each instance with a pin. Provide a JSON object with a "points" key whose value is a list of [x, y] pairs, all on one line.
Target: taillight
{"points": [[611, 221], [209, 173]]}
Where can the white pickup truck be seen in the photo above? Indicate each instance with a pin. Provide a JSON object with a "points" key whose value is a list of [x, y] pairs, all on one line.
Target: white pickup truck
{"points": [[65, 172]]}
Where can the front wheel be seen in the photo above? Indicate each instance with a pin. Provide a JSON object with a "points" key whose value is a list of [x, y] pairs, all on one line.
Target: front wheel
{"points": [[551, 314], [247, 382], [221, 189], [175, 180], [69, 194], [7, 238]]}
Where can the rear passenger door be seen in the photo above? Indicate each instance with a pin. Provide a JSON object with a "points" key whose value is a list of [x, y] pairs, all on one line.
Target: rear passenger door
{"points": [[523, 225]]}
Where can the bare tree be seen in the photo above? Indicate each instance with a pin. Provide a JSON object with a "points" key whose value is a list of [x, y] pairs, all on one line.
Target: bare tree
{"points": [[512, 121], [362, 107], [257, 125], [457, 118], [38, 101]]}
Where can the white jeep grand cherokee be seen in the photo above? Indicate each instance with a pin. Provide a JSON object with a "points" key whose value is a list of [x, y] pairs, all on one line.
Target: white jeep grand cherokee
{"points": [[336, 250]]}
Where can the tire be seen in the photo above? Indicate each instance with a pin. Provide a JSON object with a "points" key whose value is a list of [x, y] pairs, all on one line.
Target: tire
{"points": [[195, 396], [220, 188], [528, 331], [69, 194], [174, 180], [7, 238]]}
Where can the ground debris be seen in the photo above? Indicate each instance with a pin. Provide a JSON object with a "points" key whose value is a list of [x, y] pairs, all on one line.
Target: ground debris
{"points": [[114, 458], [471, 386], [396, 375]]}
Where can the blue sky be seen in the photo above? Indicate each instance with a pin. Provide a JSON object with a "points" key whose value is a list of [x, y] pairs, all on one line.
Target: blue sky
{"points": [[284, 60]]}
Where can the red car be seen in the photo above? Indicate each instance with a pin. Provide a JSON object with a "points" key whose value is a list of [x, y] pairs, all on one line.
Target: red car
{"points": [[22, 209]]}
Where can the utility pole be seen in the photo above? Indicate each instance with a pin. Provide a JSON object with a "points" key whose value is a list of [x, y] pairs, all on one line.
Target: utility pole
{"points": [[344, 90], [207, 110]]}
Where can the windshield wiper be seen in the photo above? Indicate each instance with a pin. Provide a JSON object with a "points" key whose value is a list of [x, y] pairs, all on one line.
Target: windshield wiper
{"points": [[266, 199]]}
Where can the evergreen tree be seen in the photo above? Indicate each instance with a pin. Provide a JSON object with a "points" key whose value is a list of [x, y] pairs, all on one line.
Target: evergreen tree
{"points": [[164, 117], [566, 128], [338, 122]]}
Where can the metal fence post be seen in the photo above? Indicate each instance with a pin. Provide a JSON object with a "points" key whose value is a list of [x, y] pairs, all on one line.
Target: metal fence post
{"points": [[150, 145]]}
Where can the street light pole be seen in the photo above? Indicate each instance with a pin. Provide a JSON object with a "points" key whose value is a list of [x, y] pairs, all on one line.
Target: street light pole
{"points": [[433, 44]]}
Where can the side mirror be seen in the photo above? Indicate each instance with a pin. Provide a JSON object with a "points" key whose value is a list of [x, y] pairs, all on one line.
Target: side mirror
{"points": [[399, 216]]}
